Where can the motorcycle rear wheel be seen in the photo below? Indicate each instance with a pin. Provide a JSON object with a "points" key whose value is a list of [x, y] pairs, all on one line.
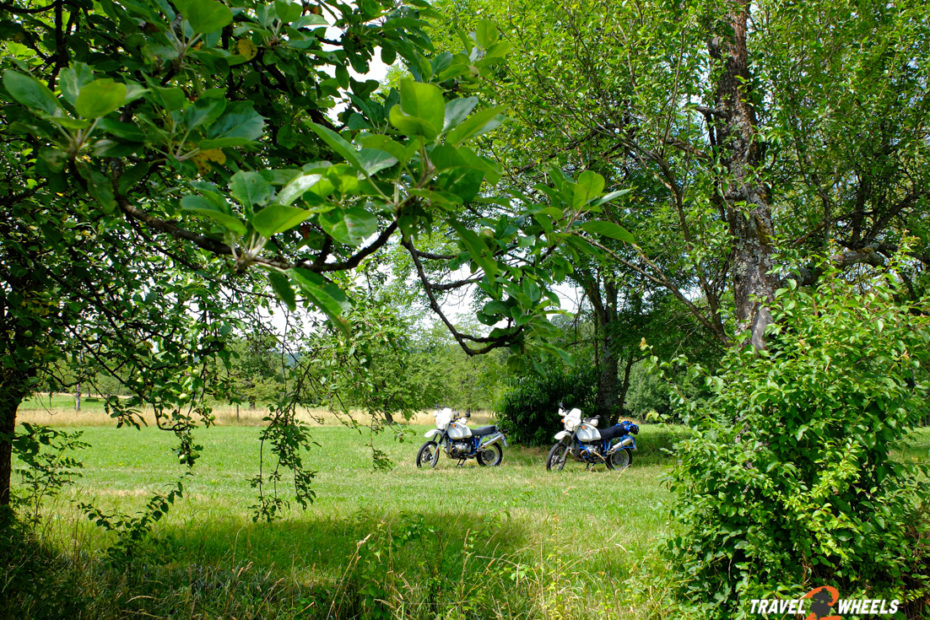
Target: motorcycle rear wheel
{"points": [[620, 460], [428, 455], [491, 456], [558, 454]]}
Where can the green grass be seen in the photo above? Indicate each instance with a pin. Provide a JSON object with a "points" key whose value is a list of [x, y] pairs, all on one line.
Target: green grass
{"points": [[511, 541], [480, 540]]}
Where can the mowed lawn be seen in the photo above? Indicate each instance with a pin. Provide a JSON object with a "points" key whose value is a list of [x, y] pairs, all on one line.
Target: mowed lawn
{"points": [[508, 541]]}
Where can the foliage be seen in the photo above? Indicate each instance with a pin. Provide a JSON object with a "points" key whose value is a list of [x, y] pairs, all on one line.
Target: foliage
{"points": [[529, 411], [255, 369], [133, 530], [167, 163], [50, 465], [633, 91], [788, 482], [286, 436]]}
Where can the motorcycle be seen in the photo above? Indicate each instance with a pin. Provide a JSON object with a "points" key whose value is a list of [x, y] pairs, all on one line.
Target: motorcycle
{"points": [[460, 442], [582, 441]]}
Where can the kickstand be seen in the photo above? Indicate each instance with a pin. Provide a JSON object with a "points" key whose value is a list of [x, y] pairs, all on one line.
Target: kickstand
{"points": [[461, 462]]}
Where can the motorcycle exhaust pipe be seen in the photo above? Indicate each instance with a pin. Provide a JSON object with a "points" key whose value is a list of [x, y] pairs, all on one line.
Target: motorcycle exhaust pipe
{"points": [[626, 442], [494, 439]]}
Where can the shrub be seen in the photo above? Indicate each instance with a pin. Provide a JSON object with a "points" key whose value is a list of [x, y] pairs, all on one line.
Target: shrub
{"points": [[529, 410], [788, 482]]}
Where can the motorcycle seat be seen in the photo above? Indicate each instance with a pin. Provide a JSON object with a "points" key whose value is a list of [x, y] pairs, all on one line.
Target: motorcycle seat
{"points": [[613, 431], [484, 430]]}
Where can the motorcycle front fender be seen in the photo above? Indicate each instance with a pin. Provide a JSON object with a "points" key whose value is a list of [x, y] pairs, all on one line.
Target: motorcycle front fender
{"points": [[432, 433], [561, 435]]}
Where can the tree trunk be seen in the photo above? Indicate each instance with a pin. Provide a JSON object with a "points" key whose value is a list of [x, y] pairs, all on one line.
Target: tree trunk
{"points": [[625, 384], [607, 382], [605, 313], [742, 193], [77, 397], [12, 392]]}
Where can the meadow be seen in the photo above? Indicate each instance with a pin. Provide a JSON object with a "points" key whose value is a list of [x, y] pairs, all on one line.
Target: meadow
{"points": [[512, 541]]}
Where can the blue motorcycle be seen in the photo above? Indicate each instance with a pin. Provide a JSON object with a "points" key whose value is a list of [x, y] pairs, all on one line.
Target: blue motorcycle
{"points": [[582, 441]]}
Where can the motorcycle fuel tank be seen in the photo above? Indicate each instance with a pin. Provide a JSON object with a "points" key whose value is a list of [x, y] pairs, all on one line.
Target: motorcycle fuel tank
{"points": [[587, 432], [457, 430]]}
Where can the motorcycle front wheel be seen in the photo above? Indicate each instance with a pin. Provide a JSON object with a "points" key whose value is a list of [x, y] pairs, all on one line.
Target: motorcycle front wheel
{"points": [[558, 454], [428, 455], [491, 456], [620, 460]]}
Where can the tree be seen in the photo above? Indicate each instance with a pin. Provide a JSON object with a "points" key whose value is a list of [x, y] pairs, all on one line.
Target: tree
{"points": [[160, 157], [257, 369], [723, 121]]}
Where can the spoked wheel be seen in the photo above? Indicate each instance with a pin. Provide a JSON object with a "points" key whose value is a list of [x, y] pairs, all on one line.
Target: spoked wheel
{"points": [[558, 454], [491, 456], [620, 460], [428, 455]]}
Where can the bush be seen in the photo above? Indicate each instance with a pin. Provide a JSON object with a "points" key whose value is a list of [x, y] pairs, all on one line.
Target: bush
{"points": [[788, 482], [529, 411]]}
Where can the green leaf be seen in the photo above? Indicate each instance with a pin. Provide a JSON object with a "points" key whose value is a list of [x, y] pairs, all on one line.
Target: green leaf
{"points": [[99, 98], [238, 126], [205, 15], [339, 145], [171, 99], [476, 248], [73, 78], [495, 307], [360, 223], [198, 205], [30, 92], [382, 143], [589, 186], [375, 160], [463, 182], [350, 226], [609, 197], [250, 188], [609, 229], [324, 295], [480, 122], [421, 110], [124, 131], [204, 112], [444, 157], [310, 20], [99, 186], [287, 11], [486, 33], [278, 218], [281, 285], [457, 111], [132, 176], [297, 187]]}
